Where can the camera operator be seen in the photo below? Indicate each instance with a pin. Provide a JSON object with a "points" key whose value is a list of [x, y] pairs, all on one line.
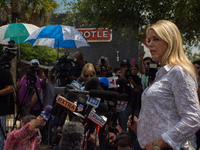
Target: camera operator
{"points": [[22, 87], [76, 70], [6, 87]]}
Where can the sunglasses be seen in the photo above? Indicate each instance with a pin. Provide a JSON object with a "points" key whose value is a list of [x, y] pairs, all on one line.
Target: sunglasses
{"points": [[87, 75]]}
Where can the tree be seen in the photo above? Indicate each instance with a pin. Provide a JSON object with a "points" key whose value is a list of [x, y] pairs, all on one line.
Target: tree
{"points": [[37, 12], [46, 55], [132, 15]]}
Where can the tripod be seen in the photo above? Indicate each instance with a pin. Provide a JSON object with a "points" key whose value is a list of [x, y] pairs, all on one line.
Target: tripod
{"points": [[25, 106]]}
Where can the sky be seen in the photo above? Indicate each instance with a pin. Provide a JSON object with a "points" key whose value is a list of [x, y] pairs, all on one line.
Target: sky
{"points": [[62, 6]]}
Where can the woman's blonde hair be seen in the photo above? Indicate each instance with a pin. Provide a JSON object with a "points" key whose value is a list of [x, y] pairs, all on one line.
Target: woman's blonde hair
{"points": [[175, 54], [88, 67]]}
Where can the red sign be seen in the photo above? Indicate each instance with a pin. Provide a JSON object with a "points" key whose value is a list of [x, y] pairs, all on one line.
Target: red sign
{"points": [[93, 35]]}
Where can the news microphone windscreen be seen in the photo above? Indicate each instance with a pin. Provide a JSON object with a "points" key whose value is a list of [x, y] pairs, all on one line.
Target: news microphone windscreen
{"points": [[121, 81], [48, 109], [104, 94], [104, 83], [92, 83], [81, 80], [102, 109], [71, 96], [46, 113], [82, 98], [72, 136]]}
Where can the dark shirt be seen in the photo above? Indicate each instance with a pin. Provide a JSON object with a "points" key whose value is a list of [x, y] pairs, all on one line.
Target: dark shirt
{"points": [[75, 71], [137, 79], [5, 80], [128, 90]]}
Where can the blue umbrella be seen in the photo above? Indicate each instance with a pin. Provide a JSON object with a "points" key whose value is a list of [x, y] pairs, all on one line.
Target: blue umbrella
{"points": [[56, 36]]}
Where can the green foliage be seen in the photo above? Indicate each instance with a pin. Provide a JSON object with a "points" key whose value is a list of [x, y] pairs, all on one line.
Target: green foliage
{"points": [[138, 14], [37, 12], [45, 55]]}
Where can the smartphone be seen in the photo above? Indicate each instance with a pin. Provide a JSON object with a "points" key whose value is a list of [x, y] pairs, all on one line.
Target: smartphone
{"points": [[142, 49], [46, 72]]}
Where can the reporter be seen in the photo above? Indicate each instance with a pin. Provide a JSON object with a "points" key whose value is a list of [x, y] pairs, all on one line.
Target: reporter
{"points": [[25, 138], [170, 112]]}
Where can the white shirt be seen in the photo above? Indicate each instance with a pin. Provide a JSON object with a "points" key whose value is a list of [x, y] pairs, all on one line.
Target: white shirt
{"points": [[170, 108]]}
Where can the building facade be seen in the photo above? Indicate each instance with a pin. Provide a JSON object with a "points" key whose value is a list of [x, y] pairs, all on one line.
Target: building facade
{"points": [[103, 42]]}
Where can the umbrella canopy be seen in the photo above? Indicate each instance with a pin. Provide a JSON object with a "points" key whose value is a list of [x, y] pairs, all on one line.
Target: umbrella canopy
{"points": [[56, 36], [16, 31]]}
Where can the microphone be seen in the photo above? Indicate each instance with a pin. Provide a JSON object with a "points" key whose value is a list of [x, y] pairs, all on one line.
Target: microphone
{"points": [[102, 109], [97, 119], [72, 136], [104, 94], [92, 83], [121, 81], [76, 85], [69, 104], [104, 83], [81, 104], [135, 101], [45, 115], [101, 93], [81, 80]]}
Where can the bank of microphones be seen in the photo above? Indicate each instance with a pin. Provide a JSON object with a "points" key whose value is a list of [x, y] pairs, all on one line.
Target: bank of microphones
{"points": [[91, 103]]}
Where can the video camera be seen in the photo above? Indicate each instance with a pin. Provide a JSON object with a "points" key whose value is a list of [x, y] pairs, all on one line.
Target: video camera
{"points": [[64, 65], [31, 70], [151, 70], [7, 55]]}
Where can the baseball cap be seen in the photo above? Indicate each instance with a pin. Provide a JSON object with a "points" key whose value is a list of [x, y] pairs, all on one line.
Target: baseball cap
{"points": [[125, 62], [34, 61], [12, 42]]}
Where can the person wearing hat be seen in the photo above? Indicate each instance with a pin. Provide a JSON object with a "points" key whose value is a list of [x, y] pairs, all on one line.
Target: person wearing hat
{"points": [[102, 68], [126, 88], [23, 84]]}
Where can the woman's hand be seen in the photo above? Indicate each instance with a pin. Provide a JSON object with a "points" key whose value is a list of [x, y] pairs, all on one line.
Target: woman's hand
{"points": [[159, 143], [149, 146], [132, 123]]}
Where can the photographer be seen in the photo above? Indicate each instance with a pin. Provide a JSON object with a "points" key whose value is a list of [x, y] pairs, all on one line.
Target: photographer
{"points": [[6, 87], [102, 67], [22, 86]]}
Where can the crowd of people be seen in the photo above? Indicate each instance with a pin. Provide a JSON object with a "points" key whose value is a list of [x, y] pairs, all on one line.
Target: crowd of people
{"points": [[161, 100]]}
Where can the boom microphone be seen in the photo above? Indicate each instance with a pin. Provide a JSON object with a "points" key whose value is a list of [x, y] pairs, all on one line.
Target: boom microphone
{"points": [[104, 94]]}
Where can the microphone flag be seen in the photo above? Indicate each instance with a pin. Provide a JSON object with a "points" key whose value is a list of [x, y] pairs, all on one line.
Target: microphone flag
{"points": [[112, 82]]}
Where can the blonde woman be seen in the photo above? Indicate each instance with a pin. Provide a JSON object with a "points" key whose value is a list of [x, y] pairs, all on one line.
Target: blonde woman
{"points": [[88, 71], [170, 112]]}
